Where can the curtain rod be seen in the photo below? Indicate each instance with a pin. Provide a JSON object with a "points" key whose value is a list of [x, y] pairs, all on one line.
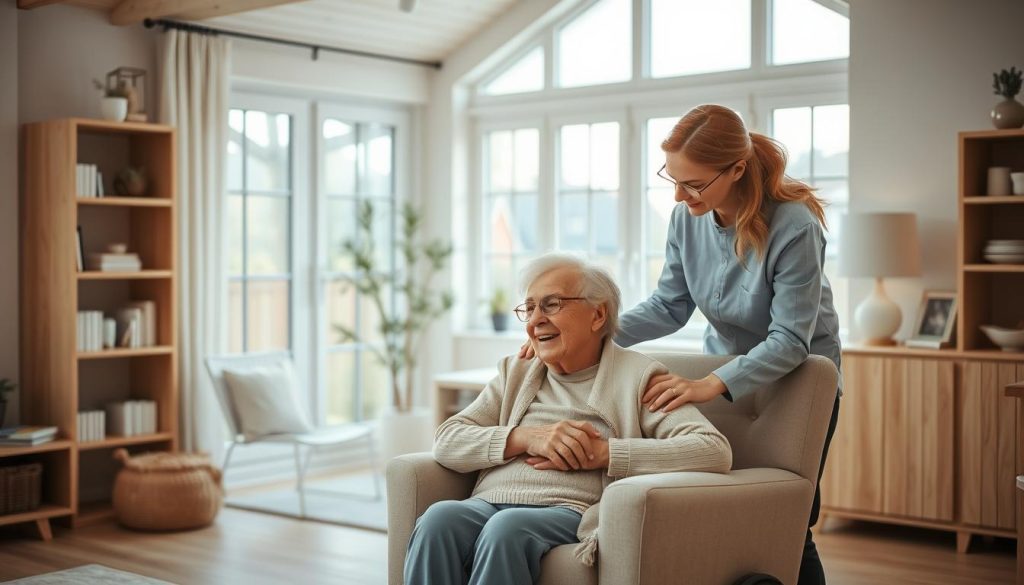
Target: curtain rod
{"points": [[315, 49]]}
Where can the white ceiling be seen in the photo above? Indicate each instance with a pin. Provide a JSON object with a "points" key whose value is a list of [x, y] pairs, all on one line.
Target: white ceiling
{"points": [[430, 32]]}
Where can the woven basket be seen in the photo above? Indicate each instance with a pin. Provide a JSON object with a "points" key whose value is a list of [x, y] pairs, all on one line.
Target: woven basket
{"points": [[166, 491], [20, 486]]}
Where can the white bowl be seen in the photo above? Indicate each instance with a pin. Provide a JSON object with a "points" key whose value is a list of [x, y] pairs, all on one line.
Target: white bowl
{"points": [[1007, 339], [1005, 258]]}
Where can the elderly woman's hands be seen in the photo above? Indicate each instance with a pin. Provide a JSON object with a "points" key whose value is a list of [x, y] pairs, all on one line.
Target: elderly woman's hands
{"points": [[569, 444], [669, 391]]}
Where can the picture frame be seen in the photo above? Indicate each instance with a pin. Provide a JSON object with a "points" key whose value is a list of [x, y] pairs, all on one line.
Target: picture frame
{"points": [[935, 324]]}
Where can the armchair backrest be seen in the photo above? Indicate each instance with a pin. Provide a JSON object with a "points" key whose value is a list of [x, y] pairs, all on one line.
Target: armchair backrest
{"points": [[782, 425], [216, 365]]}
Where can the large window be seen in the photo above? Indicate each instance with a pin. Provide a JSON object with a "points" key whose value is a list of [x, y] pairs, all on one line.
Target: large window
{"points": [[295, 182], [598, 148]]}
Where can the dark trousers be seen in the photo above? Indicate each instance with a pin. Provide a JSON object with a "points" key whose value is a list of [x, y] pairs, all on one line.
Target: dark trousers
{"points": [[811, 572]]}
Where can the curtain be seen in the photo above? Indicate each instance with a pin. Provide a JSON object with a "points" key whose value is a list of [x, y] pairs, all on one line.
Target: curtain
{"points": [[194, 99]]}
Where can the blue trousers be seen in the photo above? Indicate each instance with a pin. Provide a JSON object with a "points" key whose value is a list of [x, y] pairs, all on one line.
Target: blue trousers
{"points": [[472, 541]]}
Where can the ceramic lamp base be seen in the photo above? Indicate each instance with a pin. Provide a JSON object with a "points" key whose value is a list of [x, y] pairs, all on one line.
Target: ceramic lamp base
{"points": [[878, 317]]}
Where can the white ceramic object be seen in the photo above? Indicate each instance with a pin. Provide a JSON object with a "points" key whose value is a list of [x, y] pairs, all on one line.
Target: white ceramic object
{"points": [[878, 317], [117, 248], [1018, 183], [114, 108], [1005, 258], [1006, 339]]}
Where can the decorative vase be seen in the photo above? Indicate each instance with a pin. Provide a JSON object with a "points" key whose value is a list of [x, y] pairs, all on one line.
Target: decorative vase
{"points": [[114, 108], [405, 432], [500, 321], [1008, 113]]}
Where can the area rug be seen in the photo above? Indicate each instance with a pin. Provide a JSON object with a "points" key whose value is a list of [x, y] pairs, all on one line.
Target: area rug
{"points": [[356, 509], [89, 575]]}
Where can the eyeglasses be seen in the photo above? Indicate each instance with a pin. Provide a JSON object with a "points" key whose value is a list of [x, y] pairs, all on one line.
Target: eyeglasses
{"points": [[693, 191], [549, 306]]}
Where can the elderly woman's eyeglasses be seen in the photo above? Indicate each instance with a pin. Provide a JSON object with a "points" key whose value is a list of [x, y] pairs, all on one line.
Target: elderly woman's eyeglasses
{"points": [[693, 191], [548, 306]]}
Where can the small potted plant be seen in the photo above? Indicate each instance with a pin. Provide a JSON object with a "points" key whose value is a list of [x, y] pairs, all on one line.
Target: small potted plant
{"points": [[6, 387], [1008, 113], [499, 310], [114, 105]]}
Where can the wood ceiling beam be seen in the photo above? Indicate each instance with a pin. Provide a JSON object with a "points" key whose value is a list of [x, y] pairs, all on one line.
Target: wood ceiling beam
{"points": [[135, 11], [30, 4]]}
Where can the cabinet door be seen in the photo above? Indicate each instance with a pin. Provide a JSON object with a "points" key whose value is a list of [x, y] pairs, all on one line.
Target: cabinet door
{"points": [[919, 439], [852, 479], [988, 445]]}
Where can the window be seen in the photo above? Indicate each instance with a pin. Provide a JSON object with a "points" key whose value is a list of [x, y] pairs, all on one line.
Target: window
{"points": [[526, 74], [287, 219], [595, 47], [818, 141], [588, 192], [699, 37], [804, 30], [510, 209], [260, 194]]}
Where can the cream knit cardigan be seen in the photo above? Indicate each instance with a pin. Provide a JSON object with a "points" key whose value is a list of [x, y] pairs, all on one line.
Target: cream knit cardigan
{"points": [[641, 441]]}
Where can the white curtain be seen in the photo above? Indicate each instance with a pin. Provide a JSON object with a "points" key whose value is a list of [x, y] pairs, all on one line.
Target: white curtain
{"points": [[194, 99]]}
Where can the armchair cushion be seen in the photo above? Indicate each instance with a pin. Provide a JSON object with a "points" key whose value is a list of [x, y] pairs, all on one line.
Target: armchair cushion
{"points": [[265, 400]]}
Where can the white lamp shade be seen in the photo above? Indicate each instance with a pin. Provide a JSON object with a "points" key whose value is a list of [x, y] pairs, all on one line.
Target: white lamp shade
{"points": [[879, 245]]}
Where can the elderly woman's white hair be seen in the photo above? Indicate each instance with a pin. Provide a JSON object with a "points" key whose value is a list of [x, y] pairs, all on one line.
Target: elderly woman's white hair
{"points": [[597, 285]]}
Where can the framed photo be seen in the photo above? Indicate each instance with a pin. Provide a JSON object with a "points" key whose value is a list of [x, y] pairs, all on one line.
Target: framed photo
{"points": [[936, 320]]}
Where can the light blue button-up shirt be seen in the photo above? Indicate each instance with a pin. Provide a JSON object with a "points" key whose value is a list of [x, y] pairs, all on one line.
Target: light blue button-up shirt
{"points": [[771, 314]]}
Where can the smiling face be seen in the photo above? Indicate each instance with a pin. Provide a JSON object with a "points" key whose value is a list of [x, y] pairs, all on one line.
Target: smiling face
{"points": [[570, 340], [715, 186]]}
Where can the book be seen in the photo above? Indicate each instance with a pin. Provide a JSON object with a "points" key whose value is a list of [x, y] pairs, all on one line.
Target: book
{"points": [[26, 442], [80, 256], [27, 432], [147, 328]]}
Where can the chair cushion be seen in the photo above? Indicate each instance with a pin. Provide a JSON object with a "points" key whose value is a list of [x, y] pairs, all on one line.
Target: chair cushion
{"points": [[266, 402]]}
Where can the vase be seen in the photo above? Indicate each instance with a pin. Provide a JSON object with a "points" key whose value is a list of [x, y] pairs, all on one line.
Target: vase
{"points": [[114, 108], [500, 321], [405, 432], [1008, 113]]}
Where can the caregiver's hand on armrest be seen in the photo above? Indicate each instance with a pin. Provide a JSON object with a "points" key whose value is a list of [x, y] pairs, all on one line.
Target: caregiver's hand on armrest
{"points": [[570, 444]]}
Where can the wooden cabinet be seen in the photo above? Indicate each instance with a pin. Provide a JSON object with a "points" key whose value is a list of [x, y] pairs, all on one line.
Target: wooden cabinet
{"points": [[926, 441]]}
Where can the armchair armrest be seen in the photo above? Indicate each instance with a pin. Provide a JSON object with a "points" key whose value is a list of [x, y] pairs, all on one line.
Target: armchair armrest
{"points": [[414, 482], [703, 527]]}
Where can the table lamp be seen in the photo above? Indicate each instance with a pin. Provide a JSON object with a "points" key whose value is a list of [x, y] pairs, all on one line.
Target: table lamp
{"points": [[879, 245]]}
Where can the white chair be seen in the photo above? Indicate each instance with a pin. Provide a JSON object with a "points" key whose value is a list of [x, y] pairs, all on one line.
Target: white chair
{"points": [[312, 440]]}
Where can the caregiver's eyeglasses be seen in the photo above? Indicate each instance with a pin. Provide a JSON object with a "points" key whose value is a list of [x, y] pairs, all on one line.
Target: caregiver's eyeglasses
{"points": [[548, 306], [693, 191]]}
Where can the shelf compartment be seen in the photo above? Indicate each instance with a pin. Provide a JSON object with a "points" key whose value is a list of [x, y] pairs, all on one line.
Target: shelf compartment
{"points": [[93, 513], [982, 223], [118, 201], [989, 298], [15, 451], [144, 275], [44, 511], [146, 230], [113, 442], [126, 352]]}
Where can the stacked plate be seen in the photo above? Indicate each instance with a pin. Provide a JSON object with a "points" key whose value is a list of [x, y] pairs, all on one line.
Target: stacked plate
{"points": [[1004, 251]]}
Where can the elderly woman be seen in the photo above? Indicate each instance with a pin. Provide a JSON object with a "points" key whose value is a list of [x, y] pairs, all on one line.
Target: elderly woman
{"points": [[549, 435]]}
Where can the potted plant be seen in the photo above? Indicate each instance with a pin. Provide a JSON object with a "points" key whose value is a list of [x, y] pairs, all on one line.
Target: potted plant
{"points": [[114, 105], [499, 310], [6, 386], [1008, 113], [419, 303]]}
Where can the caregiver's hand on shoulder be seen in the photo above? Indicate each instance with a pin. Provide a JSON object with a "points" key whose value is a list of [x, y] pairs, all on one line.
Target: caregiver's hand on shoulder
{"points": [[669, 391], [567, 444], [526, 352]]}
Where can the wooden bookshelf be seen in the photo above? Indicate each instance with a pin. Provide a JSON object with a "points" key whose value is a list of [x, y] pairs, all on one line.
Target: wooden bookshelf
{"points": [[57, 380]]}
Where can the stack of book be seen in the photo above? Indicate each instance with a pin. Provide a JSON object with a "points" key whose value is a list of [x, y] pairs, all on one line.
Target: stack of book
{"points": [[132, 417], [136, 324], [110, 262], [89, 332], [91, 425], [89, 181], [26, 436]]}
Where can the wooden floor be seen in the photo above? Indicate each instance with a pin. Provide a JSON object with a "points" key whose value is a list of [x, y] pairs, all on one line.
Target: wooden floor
{"points": [[251, 548]]}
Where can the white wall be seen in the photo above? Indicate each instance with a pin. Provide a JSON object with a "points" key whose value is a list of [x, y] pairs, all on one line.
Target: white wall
{"points": [[9, 198], [921, 71]]}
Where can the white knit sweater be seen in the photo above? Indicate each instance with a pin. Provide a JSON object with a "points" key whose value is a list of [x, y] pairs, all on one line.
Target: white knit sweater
{"points": [[639, 441]]}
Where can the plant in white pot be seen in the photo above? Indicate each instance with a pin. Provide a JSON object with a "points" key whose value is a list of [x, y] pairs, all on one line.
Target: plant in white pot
{"points": [[402, 325], [114, 104]]}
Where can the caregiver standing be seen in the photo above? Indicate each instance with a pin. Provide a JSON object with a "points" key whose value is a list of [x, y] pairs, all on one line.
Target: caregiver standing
{"points": [[747, 247]]}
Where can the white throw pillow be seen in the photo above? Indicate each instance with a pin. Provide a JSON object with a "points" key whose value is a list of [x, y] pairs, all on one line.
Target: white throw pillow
{"points": [[265, 400]]}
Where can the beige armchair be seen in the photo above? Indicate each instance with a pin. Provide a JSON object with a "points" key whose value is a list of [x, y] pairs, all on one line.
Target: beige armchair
{"points": [[676, 528]]}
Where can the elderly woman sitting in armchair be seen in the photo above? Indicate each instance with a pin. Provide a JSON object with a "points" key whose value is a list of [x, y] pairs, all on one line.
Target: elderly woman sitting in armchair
{"points": [[549, 435]]}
